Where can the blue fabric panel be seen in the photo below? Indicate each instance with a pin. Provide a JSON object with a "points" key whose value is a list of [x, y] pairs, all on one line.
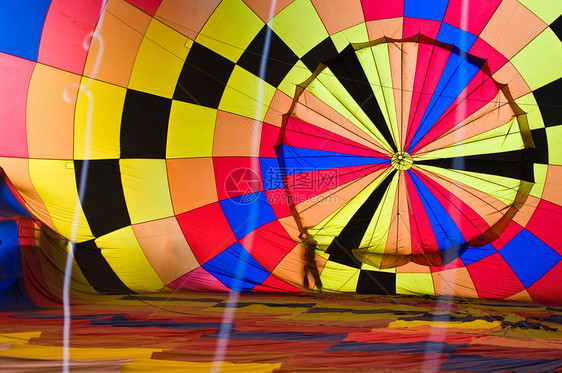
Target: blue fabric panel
{"points": [[457, 74], [426, 9], [247, 212], [10, 258], [237, 269], [408, 347], [446, 231], [455, 36], [281, 336], [474, 254], [9, 205], [21, 25], [298, 160], [120, 321], [529, 257], [271, 174], [479, 363]]}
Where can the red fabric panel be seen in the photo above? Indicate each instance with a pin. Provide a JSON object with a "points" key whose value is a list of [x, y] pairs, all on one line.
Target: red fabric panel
{"points": [[268, 244], [420, 226], [67, 29], [476, 14], [279, 202], [494, 278], [269, 136], [431, 63], [236, 176], [274, 284], [198, 279], [484, 50], [415, 26], [547, 225], [256, 346], [547, 289], [382, 9], [479, 92], [15, 74], [148, 6], [200, 227], [301, 134]]}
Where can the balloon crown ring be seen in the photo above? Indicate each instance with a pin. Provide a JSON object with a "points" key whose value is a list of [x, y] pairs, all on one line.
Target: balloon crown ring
{"points": [[401, 161]]}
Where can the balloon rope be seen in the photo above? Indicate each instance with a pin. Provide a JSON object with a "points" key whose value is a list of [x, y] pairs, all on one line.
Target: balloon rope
{"points": [[233, 296], [81, 91]]}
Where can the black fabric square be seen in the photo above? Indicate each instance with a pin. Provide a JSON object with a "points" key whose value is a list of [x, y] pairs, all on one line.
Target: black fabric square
{"points": [[104, 201], [541, 145], [549, 98], [322, 53], [97, 270], [371, 282], [345, 258], [144, 125], [280, 59], [556, 26], [203, 77]]}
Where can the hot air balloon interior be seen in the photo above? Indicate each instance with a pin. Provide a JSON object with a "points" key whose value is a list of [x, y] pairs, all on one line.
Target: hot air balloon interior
{"points": [[281, 185]]}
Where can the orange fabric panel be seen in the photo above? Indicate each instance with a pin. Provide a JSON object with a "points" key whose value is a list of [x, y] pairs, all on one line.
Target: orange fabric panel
{"points": [[166, 248], [49, 118], [263, 8], [236, 135], [399, 240], [337, 15], [454, 281], [121, 41], [186, 17], [391, 28], [190, 177]]}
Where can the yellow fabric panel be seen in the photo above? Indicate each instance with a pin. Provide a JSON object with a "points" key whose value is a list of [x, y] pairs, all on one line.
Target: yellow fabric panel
{"points": [[376, 64], [547, 10], [150, 365], [56, 353], [190, 131], [355, 34], [540, 171], [539, 62], [55, 182], [414, 283], [300, 27], [529, 105], [125, 256], [554, 139], [498, 187], [106, 105], [145, 185], [332, 225], [337, 277], [241, 95], [297, 75], [329, 90], [49, 118], [377, 233], [476, 324], [504, 138], [230, 29], [18, 337], [369, 267], [159, 60]]}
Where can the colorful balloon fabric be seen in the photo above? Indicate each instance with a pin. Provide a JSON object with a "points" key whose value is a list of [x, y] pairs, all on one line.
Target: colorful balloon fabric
{"points": [[387, 147]]}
